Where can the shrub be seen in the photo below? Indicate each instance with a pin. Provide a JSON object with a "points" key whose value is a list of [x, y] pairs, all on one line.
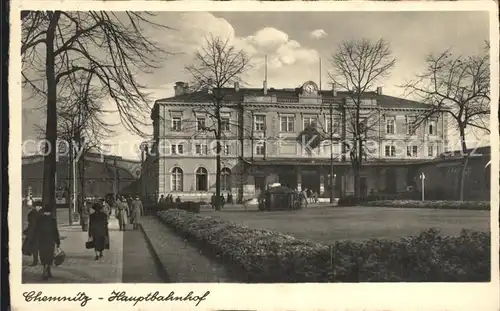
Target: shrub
{"points": [[464, 205], [264, 256], [153, 209]]}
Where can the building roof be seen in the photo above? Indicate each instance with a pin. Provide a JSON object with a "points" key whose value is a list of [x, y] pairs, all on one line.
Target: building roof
{"points": [[231, 95]]}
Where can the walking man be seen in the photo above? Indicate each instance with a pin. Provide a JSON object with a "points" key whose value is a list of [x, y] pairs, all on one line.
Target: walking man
{"points": [[137, 210]]}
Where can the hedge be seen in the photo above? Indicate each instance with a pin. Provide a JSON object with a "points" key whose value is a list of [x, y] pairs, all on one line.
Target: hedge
{"points": [[464, 205], [153, 209], [264, 256]]}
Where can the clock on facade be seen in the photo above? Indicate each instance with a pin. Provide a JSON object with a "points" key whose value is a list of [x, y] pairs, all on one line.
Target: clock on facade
{"points": [[309, 87]]}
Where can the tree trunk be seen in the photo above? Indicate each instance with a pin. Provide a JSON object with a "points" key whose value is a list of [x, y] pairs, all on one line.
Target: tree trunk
{"points": [[463, 164], [81, 168], [49, 163], [70, 182], [217, 177], [218, 165], [359, 165]]}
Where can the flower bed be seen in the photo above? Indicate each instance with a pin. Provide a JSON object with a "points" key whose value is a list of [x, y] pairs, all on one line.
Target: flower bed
{"points": [[263, 256], [464, 205]]}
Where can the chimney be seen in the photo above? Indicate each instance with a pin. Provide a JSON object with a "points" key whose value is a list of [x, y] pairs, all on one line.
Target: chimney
{"points": [[209, 85], [334, 90], [379, 90], [237, 86], [179, 88], [265, 87]]}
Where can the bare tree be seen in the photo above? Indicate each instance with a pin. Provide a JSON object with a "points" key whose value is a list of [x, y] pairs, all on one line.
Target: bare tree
{"points": [[217, 66], [457, 86], [355, 67], [57, 46]]}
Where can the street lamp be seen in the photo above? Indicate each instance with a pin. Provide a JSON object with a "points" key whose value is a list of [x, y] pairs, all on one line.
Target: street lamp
{"points": [[332, 168]]}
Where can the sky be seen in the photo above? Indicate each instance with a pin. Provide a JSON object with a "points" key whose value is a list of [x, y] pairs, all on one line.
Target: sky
{"points": [[294, 42]]}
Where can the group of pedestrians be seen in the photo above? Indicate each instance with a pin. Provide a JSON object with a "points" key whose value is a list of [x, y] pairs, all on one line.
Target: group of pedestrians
{"points": [[41, 237], [128, 210]]}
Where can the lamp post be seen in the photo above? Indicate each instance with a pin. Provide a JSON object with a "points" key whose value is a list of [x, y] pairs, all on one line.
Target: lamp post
{"points": [[422, 178], [332, 168]]}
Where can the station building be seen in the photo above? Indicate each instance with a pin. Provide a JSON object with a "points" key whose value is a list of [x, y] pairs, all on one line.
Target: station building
{"points": [[260, 142]]}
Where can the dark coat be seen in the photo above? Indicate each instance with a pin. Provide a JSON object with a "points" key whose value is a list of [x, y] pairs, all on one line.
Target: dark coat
{"points": [[98, 230], [47, 236], [137, 210], [30, 244]]}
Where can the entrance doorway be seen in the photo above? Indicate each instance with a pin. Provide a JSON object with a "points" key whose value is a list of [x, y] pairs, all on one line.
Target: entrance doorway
{"points": [[311, 180], [363, 187], [390, 181], [288, 178], [260, 183]]}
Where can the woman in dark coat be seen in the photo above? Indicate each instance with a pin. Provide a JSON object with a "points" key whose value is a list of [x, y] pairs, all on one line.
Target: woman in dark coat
{"points": [[48, 239], [98, 230], [30, 246]]}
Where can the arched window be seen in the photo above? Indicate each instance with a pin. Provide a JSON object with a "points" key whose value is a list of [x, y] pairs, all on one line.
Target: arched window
{"points": [[225, 179], [176, 179], [201, 179]]}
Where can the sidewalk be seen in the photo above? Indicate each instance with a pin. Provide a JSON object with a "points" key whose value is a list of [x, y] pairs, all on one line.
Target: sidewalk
{"points": [[182, 262], [80, 266]]}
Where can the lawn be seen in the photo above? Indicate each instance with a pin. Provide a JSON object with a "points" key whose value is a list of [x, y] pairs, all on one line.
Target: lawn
{"points": [[327, 224]]}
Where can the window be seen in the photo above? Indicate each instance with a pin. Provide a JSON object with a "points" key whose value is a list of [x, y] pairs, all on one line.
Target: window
{"points": [[308, 121], [410, 126], [177, 149], [225, 179], [430, 151], [259, 122], [431, 128], [200, 124], [226, 149], [201, 149], [225, 125], [176, 184], [201, 179], [334, 126], [412, 151], [176, 124], [260, 148], [390, 151], [287, 124], [390, 124]]}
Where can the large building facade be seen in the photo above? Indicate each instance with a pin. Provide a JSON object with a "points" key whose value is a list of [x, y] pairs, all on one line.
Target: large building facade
{"points": [[103, 175], [263, 142]]}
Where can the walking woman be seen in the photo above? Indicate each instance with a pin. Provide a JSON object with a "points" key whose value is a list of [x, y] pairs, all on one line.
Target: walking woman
{"points": [[98, 230], [48, 239], [136, 211], [122, 209], [30, 244]]}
